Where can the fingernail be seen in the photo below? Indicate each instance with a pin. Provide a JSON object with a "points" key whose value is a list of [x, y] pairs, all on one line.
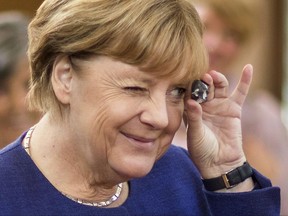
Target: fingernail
{"points": [[249, 67]]}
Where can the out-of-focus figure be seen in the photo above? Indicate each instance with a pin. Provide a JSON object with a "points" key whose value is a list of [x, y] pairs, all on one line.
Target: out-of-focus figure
{"points": [[229, 29], [14, 77]]}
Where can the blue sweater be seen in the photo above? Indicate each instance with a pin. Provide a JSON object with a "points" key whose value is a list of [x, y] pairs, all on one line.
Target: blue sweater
{"points": [[173, 187]]}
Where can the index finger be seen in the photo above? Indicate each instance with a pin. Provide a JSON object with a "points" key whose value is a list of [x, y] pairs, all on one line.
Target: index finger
{"points": [[240, 92]]}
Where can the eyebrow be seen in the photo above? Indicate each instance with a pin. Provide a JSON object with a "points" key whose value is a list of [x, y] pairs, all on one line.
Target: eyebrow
{"points": [[149, 79], [139, 80], [140, 77]]}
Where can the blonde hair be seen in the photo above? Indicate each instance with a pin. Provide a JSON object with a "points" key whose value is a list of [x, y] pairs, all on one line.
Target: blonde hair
{"points": [[158, 36]]}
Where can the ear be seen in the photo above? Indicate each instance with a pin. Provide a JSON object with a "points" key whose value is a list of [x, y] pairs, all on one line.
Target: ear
{"points": [[62, 79]]}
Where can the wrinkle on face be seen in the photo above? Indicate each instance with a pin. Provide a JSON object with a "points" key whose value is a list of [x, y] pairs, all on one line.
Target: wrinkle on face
{"points": [[105, 108]]}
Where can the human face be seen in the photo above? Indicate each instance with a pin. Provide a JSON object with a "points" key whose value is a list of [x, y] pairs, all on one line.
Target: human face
{"points": [[14, 115], [123, 119], [220, 40]]}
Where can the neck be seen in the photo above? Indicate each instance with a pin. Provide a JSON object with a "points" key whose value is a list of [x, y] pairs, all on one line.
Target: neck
{"points": [[52, 148]]}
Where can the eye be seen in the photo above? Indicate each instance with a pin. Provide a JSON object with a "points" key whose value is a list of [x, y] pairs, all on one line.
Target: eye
{"points": [[177, 93], [134, 88]]}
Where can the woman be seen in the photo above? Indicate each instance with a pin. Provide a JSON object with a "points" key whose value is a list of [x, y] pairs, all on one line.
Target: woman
{"points": [[112, 78], [14, 77]]}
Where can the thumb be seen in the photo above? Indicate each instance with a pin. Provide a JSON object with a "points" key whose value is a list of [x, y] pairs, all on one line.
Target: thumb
{"points": [[194, 120]]}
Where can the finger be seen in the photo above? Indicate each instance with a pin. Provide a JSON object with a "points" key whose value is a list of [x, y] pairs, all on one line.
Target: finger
{"points": [[220, 84], [184, 118], [241, 91], [194, 118], [208, 79]]}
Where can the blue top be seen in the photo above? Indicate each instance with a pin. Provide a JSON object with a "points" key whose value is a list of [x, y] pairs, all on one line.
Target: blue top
{"points": [[173, 187]]}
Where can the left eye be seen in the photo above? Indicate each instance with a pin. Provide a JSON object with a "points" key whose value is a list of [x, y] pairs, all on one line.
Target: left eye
{"points": [[178, 92], [134, 88]]}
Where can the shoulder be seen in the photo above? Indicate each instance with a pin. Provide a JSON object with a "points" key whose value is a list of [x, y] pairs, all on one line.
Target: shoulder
{"points": [[173, 187], [10, 150], [13, 160], [177, 163], [176, 152]]}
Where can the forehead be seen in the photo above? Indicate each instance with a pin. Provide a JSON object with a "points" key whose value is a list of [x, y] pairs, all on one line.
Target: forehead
{"points": [[112, 68]]}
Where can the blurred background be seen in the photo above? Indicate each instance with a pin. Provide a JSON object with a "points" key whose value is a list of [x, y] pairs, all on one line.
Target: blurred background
{"points": [[284, 89], [15, 118], [28, 7]]}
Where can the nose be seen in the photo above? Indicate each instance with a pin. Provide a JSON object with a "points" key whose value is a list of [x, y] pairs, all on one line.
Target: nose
{"points": [[155, 113]]}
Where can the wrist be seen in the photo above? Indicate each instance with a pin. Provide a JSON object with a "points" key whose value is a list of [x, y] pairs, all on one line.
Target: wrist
{"points": [[217, 170], [231, 179], [245, 186]]}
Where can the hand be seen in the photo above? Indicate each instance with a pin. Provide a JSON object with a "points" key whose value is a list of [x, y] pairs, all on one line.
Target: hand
{"points": [[214, 135]]}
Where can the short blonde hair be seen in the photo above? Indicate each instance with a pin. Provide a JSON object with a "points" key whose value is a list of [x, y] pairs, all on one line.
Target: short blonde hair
{"points": [[162, 36]]}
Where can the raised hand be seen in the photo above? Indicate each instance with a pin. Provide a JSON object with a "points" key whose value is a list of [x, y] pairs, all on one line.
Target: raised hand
{"points": [[214, 135]]}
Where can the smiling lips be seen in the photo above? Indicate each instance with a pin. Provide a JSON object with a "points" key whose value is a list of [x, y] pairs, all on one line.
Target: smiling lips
{"points": [[140, 141]]}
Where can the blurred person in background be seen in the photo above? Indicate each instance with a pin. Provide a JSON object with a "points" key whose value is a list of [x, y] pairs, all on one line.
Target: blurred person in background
{"points": [[230, 27], [14, 77]]}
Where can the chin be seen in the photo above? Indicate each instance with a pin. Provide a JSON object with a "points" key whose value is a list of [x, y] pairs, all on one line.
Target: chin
{"points": [[138, 173], [135, 168]]}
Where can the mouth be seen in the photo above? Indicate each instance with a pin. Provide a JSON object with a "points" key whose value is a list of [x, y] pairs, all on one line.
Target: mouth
{"points": [[140, 142]]}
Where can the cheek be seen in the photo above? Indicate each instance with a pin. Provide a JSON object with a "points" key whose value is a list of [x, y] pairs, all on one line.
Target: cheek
{"points": [[175, 115], [110, 113], [175, 119]]}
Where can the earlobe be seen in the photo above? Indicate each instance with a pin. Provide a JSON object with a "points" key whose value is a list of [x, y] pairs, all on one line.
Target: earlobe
{"points": [[62, 79]]}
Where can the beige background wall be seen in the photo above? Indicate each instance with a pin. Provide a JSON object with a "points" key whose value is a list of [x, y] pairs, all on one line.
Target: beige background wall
{"points": [[27, 6], [266, 50]]}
